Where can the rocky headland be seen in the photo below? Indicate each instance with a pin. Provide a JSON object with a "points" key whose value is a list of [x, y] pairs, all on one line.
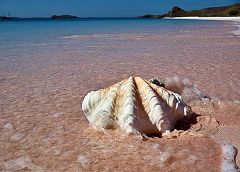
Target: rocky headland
{"points": [[223, 11]]}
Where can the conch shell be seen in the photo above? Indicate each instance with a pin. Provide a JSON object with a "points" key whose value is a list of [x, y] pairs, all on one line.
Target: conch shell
{"points": [[135, 106]]}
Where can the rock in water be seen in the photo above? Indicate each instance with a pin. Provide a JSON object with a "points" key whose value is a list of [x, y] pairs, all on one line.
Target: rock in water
{"points": [[135, 106]]}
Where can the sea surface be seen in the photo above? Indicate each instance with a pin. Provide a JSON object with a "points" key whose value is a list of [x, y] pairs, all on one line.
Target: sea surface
{"points": [[48, 66], [176, 47]]}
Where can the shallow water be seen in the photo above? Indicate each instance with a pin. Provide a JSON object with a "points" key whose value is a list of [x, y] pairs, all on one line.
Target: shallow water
{"points": [[45, 71]]}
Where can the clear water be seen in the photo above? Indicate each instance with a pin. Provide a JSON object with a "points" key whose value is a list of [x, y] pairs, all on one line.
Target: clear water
{"points": [[182, 44], [32, 31], [47, 67]]}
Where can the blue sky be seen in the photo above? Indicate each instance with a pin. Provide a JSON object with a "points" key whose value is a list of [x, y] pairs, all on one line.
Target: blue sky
{"points": [[101, 8]]}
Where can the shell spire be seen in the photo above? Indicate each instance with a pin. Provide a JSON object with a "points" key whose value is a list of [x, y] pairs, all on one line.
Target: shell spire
{"points": [[135, 106]]}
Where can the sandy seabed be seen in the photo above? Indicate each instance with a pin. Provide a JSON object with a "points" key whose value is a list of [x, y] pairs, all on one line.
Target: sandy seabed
{"points": [[42, 127]]}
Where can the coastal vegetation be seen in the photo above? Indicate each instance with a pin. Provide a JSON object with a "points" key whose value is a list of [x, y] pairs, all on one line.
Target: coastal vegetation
{"points": [[223, 11]]}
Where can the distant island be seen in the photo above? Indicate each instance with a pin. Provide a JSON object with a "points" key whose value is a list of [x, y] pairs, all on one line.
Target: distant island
{"points": [[223, 11], [64, 17], [54, 17]]}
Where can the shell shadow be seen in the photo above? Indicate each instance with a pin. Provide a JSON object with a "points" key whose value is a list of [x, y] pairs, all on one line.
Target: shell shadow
{"points": [[186, 122], [183, 124]]}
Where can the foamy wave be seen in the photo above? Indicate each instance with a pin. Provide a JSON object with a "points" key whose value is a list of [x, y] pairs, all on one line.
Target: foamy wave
{"points": [[86, 36], [188, 90], [237, 32], [112, 35], [75, 36], [69, 37], [229, 155]]}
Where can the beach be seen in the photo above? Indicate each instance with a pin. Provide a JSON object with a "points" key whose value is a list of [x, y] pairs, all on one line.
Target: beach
{"points": [[45, 74], [233, 19], [237, 19]]}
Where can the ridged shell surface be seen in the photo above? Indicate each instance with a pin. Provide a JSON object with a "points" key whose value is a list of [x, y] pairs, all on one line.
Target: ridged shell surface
{"points": [[134, 105]]}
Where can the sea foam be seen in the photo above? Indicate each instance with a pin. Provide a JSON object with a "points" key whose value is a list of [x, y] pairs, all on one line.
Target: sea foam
{"points": [[229, 153]]}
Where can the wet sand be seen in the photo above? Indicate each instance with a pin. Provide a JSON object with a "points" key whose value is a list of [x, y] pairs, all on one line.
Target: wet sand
{"points": [[42, 126]]}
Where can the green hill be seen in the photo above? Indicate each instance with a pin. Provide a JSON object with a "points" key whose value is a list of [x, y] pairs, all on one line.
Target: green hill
{"points": [[223, 11]]}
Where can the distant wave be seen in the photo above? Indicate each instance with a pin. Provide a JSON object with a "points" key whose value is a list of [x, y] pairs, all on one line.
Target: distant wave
{"points": [[83, 36], [71, 36], [104, 35]]}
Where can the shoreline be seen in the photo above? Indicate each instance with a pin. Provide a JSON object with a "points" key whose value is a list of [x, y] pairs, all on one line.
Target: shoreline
{"points": [[237, 19], [233, 19]]}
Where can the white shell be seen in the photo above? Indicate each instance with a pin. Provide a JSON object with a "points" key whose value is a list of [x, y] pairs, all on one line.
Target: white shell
{"points": [[134, 105]]}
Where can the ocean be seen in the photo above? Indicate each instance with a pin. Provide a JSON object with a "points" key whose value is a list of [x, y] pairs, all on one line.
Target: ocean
{"points": [[177, 43], [34, 31], [48, 66]]}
